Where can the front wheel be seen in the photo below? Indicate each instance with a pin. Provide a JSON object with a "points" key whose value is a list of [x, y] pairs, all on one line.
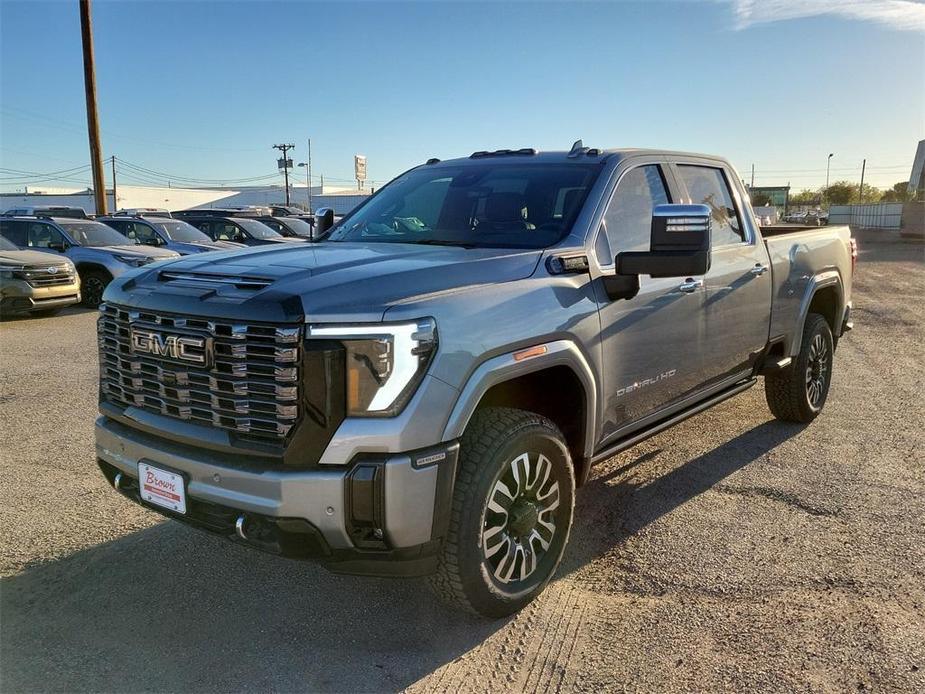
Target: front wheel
{"points": [[512, 511], [93, 284], [798, 392]]}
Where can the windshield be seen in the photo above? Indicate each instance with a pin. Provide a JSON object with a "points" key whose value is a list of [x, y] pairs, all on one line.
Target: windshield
{"points": [[490, 205], [296, 226], [183, 232], [94, 234], [256, 229], [7, 245]]}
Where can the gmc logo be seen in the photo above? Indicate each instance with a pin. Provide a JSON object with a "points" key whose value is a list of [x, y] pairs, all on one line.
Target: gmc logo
{"points": [[180, 347]]}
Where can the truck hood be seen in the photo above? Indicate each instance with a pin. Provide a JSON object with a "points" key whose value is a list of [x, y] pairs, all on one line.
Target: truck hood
{"points": [[318, 282]]}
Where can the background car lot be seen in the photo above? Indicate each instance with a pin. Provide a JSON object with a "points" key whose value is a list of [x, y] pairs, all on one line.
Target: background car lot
{"points": [[731, 551]]}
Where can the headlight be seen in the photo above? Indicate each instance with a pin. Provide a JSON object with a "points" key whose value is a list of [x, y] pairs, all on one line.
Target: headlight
{"points": [[385, 363], [133, 260], [7, 272]]}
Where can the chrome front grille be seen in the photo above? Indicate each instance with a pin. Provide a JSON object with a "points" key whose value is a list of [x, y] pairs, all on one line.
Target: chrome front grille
{"points": [[249, 385], [40, 277]]}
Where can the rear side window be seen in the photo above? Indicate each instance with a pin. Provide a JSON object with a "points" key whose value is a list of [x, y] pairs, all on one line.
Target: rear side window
{"points": [[708, 186], [628, 218]]}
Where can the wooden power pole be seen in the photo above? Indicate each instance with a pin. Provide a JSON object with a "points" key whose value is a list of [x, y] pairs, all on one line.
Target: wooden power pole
{"points": [[93, 122]]}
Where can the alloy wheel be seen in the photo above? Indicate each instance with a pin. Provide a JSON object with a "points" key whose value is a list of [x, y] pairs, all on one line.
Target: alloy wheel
{"points": [[519, 521], [817, 369]]}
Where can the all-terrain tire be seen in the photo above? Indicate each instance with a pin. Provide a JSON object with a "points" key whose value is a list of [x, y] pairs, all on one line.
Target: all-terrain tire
{"points": [[798, 392], [492, 451]]}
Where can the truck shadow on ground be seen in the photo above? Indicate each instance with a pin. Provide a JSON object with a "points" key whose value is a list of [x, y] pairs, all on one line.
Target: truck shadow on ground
{"points": [[169, 608]]}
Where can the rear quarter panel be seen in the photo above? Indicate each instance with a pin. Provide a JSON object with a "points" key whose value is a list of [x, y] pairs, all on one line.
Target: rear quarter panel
{"points": [[803, 262]]}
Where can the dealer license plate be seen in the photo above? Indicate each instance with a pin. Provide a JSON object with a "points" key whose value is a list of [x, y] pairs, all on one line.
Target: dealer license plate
{"points": [[162, 487]]}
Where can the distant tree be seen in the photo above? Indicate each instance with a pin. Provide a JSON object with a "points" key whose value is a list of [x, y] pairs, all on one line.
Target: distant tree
{"points": [[761, 199], [841, 193], [898, 193], [805, 197]]}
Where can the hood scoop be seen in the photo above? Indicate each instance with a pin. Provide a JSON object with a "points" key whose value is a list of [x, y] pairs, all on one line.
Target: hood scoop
{"points": [[215, 280]]}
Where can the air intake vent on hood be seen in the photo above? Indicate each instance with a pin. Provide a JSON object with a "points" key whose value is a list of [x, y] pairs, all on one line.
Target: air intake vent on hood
{"points": [[237, 281]]}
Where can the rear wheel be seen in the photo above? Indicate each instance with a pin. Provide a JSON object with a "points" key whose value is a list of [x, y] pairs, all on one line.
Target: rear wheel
{"points": [[93, 284], [511, 515], [798, 392]]}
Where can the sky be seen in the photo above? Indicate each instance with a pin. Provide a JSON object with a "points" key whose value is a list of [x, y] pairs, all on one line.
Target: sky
{"points": [[200, 91]]}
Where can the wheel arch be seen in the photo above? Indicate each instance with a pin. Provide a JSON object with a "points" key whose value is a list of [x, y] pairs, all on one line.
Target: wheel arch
{"points": [[825, 296], [89, 266], [557, 383]]}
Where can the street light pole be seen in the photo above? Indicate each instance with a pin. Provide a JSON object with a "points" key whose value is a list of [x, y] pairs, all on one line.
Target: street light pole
{"points": [[828, 163]]}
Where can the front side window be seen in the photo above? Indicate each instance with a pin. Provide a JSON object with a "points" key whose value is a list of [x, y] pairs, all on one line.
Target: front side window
{"points": [[486, 205], [41, 235], [708, 186], [628, 219]]}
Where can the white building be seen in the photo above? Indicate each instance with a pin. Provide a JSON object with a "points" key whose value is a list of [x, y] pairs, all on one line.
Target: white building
{"points": [[341, 199]]}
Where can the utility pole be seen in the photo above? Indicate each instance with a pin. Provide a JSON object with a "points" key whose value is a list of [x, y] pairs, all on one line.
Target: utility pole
{"points": [[285, 167], [861, 189], [93, 122], [310, 175], [115, 199], [753, 176]]}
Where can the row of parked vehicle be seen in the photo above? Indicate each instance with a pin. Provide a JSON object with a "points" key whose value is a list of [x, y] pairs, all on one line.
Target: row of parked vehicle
{"points": [[53, 257]]}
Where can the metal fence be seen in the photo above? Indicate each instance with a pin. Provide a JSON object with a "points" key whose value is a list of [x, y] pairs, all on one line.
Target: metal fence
{"points": [[884, 215]]}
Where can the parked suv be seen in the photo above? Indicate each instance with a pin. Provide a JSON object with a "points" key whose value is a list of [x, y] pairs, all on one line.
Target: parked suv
{"points": [[172, 234], [47, 211], [35, 282], [243, 230], [100, 253], [423, 392]]}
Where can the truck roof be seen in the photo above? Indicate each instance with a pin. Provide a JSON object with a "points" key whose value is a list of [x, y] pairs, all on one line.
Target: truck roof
{"points": [[577, 155]]}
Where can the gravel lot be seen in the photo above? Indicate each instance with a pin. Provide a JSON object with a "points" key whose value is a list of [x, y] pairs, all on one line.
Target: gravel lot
{"points": [[732, 552]]}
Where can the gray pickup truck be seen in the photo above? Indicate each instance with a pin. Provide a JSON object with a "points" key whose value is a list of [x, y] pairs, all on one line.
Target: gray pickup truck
{"points": [[423, 393]]}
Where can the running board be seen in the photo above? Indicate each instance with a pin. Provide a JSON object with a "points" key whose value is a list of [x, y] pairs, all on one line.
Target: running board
{"points": [[641, 436]]}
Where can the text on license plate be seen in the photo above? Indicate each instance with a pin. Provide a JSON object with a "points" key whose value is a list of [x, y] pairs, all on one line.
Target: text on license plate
{"points": [[162, 488]]}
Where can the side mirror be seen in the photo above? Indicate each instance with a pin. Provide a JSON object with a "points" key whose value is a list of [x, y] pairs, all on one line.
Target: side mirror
{"points": [[324, 220], [153, 241], [59, 246], [680, 244]]}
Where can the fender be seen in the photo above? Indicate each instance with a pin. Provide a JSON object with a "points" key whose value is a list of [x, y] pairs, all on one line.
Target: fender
{"points": [[504, 368], [826, 278]]}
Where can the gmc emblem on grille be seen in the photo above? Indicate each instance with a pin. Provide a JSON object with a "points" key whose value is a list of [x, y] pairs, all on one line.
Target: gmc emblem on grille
{"points": [[180, 347]]}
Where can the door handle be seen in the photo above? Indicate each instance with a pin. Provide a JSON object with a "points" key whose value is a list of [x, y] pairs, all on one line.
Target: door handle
{"points": [[759, 269], [689, 286]]}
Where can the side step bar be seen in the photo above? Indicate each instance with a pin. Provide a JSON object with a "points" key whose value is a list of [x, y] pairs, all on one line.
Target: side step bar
{"points": [[638, 437]]}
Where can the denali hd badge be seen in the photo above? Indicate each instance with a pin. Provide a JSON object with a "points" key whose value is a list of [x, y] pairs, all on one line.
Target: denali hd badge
{"points": [[187, 348]]}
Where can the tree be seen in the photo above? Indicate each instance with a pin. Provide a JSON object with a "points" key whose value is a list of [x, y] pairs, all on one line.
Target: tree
{"points": [[760, 199], [805, 197], [841, 193], [898, 193]]}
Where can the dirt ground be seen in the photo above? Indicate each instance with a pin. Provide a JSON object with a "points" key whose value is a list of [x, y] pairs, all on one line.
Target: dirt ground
{"points": [[731, 552]]}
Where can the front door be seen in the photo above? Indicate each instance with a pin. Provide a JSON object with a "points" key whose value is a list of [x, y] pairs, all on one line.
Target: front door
{"points": [[650, 343]]}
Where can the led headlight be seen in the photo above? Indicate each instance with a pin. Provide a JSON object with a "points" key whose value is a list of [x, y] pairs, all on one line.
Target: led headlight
{"points": [[133, 260], [385, 363]]}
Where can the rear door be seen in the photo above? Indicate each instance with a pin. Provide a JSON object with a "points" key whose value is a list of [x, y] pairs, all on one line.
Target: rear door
{"points": [[650, 343], [737, 289]]}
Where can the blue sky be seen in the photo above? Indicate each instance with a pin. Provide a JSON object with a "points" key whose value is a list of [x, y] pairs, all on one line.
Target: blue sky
{"points": [[202, 90]]}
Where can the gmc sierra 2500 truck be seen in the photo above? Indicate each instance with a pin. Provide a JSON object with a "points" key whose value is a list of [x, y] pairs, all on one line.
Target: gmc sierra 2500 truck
{"points": [[423, 392]]}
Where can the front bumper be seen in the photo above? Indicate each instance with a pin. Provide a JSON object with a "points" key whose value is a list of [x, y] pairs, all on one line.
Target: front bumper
{"points": [[381, 514], [18, 296]]}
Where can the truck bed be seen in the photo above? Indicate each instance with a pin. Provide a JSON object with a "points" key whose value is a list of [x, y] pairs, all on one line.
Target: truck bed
{"points": [[802, 259]]}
